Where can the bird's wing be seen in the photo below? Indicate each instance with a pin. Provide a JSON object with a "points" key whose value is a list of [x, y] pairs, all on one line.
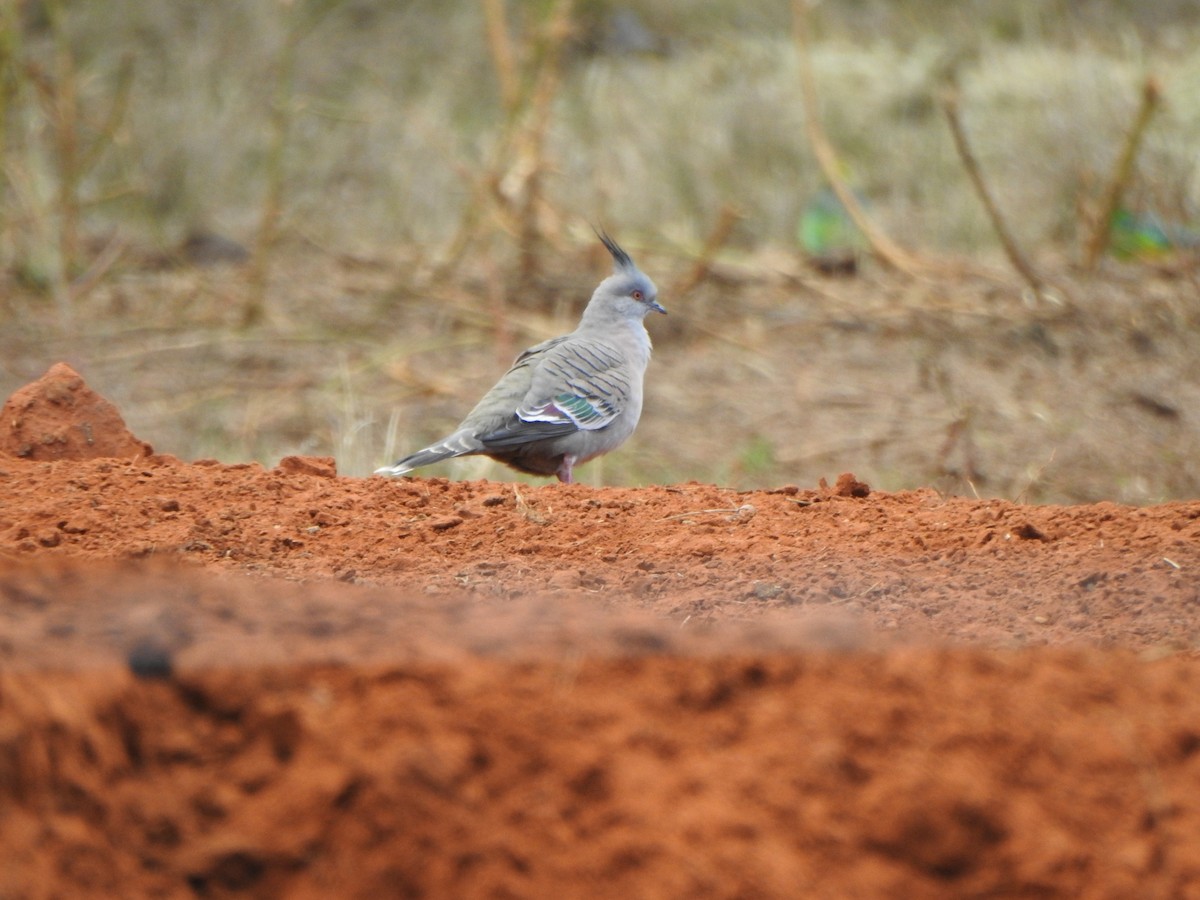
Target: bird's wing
{"points": [[490, 414], [580, 384], [532, 354], [497, 405]]}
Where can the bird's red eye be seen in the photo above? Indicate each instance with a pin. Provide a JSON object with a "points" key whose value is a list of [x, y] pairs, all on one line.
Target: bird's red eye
{"points": [[637, 295]]}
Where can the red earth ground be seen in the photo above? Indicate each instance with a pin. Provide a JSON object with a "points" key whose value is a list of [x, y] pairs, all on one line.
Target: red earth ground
{"points": [[220, 680]]}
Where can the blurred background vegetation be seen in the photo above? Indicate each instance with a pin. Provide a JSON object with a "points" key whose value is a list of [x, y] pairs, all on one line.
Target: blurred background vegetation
{"points": [[275, 226]]}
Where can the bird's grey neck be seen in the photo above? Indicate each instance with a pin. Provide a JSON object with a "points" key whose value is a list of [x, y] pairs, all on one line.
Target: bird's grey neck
{"points": [[603, 322]]}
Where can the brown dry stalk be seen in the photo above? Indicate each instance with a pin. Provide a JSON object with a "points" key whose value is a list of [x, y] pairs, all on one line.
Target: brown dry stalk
{"points": [[75, 154], [1122, 172], [106, 134], [526, 510], [502, 326], [511, 185], [549, 79], [64, 100], [58, 92], [503, 60], [10, 38], [478, 189], [1011, 249], [299, 23], [886, 250], [717, 238], [280, 122], [98, 268]]}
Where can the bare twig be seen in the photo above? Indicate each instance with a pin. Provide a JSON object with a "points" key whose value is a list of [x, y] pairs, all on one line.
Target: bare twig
{"points": [[1122, 172], [486, 186], [510, 188], [10, 38], [63, 98], [78, 142], [500, 46], [502, 326], [281, 114], [107, 131], [717, 238], [735, 513], [301, 21], [1022, 496], [557, 30], [886, 250], [98, 268], [10, 42], [959, 434], [1011, 249], [526, 510], [478, 189]]}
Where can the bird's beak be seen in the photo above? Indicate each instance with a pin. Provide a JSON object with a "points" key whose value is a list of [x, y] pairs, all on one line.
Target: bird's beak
{"points": [[658, 307]]}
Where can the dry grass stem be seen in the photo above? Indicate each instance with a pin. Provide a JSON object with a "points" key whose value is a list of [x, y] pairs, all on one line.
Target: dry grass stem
{"points": [[61, 97], [502, 326], [1122, 172], [1022, 496], [533, 162], [1011, 249], [301, 21], [717, 238], [503, 61], [734, 513], [510, 193], [98, 268], [77, 142], [10, 44], [883, 247], [527, 511], [280, 123], [959, 435], [118, 109]]}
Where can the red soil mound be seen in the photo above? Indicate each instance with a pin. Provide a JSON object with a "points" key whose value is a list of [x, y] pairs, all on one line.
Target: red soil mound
{"points": [[565, 691], [60, 417]]}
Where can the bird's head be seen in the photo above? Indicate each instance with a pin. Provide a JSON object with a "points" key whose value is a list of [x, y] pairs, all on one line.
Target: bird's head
{"points": [[628, 291]]}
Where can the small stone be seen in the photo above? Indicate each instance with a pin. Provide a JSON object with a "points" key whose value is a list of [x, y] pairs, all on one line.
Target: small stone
{"points": [[764, 590], [150, 659], [445, 523]]}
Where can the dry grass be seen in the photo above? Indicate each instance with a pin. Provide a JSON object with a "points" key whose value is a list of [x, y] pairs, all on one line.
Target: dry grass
{"points": [[388, 106], [353, 171], [765, 376]]}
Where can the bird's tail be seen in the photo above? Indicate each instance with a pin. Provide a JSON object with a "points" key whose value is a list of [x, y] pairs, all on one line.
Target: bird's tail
{"points": [[455, 445]]}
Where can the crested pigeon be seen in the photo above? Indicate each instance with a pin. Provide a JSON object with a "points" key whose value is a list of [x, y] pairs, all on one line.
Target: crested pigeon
{"points": [[569, 399]]}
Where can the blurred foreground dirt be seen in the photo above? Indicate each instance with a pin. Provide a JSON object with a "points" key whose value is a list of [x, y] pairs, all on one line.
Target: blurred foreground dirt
{"points": [[223, 680]]}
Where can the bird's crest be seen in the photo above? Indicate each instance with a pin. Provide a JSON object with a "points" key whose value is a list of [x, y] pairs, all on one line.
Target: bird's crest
{"points": [[621, 260]]}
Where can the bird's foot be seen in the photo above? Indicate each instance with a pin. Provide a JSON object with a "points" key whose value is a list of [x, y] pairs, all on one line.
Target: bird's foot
{"points": [[564, 469]]}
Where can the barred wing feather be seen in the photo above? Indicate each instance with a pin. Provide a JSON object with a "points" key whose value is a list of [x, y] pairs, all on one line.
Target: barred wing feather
{"points": [[578, 385]]}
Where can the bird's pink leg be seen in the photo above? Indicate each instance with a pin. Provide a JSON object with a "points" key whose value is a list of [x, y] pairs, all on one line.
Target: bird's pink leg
{"points": [[564, 469]]}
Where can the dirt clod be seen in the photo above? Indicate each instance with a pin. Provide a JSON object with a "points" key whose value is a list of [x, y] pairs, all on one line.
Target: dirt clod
{"points": [[849, 486], [1029, 532], [60, 417], [321, 466]]}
